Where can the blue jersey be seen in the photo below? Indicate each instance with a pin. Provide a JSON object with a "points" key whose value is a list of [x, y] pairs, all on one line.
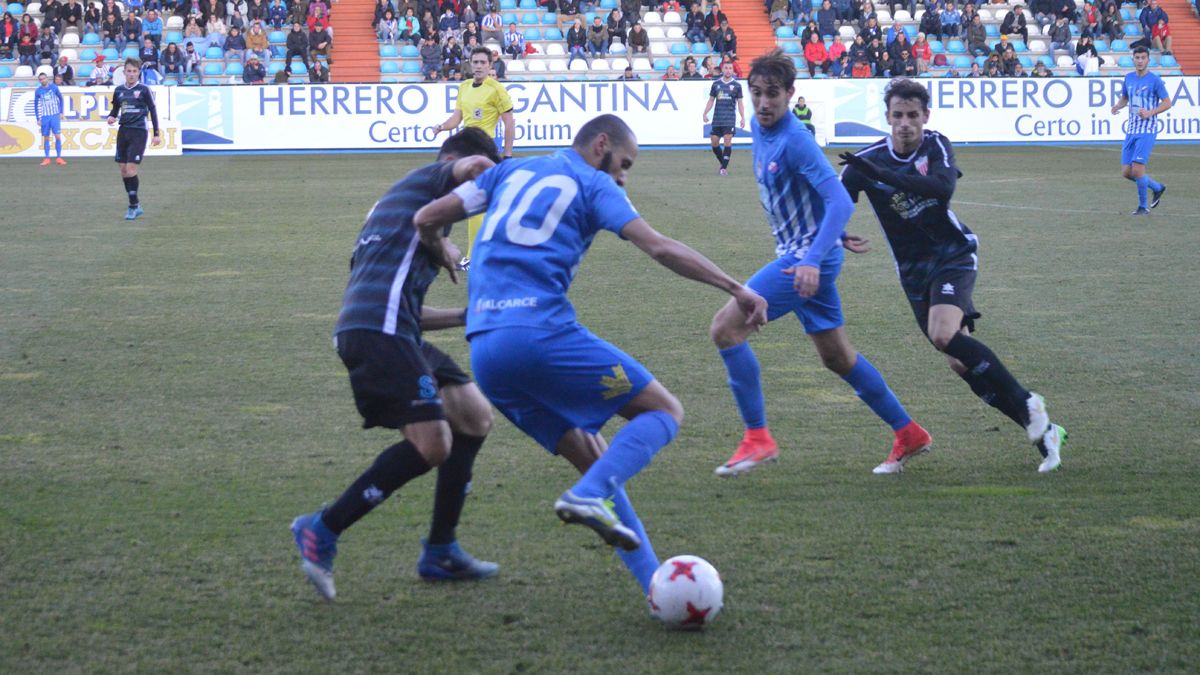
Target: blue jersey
{"points": [[727, 94], [48, 101], [542, 214], [789, 165], [389, 269], [1143, 93]]}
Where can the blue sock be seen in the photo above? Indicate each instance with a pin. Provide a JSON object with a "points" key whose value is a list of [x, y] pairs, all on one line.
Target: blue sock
{"points": [[1154, 185], [46, 146], [1142, 184], [632, 449], [743, 370], [873, 391], [641, 562], [57, 146]]}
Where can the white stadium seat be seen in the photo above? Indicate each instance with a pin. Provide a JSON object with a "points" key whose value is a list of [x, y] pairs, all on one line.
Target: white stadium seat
{"points": [[672, 17], [659, 48], [23, 72], [71, 54], [651, 17], [600, 65], [1065, 61], [556, 49], [903, 16], [70, 39], [515, 66], [656, 33], [674, 32], [535, 66]]}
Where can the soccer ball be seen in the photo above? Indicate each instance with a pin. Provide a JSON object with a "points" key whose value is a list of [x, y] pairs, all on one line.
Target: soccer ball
{"points": [[686, 593]]}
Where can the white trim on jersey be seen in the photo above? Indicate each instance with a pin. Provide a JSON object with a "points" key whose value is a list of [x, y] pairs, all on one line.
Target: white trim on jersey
{"points": [[475, 199], [395, 295]]}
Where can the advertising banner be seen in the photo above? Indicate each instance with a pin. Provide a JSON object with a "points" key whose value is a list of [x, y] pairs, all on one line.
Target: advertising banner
{"points": [[85, 132]]}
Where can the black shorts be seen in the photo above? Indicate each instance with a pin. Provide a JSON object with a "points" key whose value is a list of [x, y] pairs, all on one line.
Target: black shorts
{"points": [[131, 145], [722, 131], [395, 381], [946, 286]]}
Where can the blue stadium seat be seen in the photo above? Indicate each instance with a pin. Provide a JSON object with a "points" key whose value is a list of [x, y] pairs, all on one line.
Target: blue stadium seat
{"points": [[532, 34], [234, 68], [174, 36], [790, 47], [1025, 61], [552, 34], [1153, 63], [411, 67], [130, 53], [956, 47], [389, 67], [16, 9], [993, 31], [299, 69], [561, 78], [90, 39], [1019, 46], [530, 19], [388, 51], [682, 48], [277, 37], [587, 18], [510, 17], [937, 47], [506, 5], [800, 66], [1133, 29], [962, 62], [661, 64], [111, 54], [275, 67], [409, 51], [609, 4], [1127, 15], [1125, 61], [784, 32], [6, 72], [700, 48], [1175, 72], [1119, 46], [527, 4], [87, 55], [84, 71], [1047, 60], [1074, 31], [550, 19], [213, 53], [911, 31], [213, 69], [1168, 61]]}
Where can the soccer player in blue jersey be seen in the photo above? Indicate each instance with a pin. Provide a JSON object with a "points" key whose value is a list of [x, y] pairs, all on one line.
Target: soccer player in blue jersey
{"points": [[48, 106], [807, 209], [909, 178], [402, 382], [132, 103], [724, 94], [1146, 96], [548, 374]]}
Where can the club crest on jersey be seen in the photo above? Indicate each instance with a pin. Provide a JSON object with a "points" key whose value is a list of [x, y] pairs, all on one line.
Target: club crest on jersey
{"points": [[922, 165], [137, 94], [772, 168]]}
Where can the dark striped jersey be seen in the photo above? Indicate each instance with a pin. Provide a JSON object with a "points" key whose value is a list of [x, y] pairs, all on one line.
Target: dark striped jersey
{"points": [[389, 269], [727, 95], [132, 105], [912, 203]]}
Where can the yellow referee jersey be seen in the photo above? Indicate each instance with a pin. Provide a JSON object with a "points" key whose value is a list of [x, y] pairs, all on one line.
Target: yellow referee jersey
{"points": [[481, 105]]}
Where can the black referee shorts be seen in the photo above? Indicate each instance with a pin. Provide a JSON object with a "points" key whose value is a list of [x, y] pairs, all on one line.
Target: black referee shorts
{"points": [[395, 381], [945, 286], [131, 145]]}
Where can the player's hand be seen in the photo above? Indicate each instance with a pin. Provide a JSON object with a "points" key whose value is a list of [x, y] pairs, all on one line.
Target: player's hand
{"points": [[1145, 114], [753, 307], [111, 121], [855, 243], [437, 129], [742, 123], [806, 279], [1116, 109], [863, 166], [704, 118], [445, 253]]}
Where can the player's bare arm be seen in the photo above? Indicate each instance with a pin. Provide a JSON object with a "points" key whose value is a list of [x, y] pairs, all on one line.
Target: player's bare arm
{"points": [[451, 123], [437, 318], [510, 132]]}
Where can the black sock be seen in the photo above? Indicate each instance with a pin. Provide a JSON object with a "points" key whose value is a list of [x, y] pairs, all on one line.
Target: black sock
{"points": [[454, 475], [392, 468], [1008, 394], [725, 157], [717, 152], [131, 188], [985, 393]]}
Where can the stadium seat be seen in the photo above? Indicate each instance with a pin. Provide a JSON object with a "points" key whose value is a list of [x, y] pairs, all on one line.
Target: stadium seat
{"points": [[90, 39], [388, 51], [275, 67], [902, 16], [1019, 46], [656, 33], [5, 72], [784, 32], [213, 69], [530, 19], [1125, 61], [391, 67], [937, 47], [70, 40], [651, 18], [791, 47], [535, 66], [587, 18], [510, 17], [1168, 61], [533, 34], [1153, 63], [213, 53], [506, 5], [549, 19], [962, 62], [1065, 61], [617, 48], [884, 16], [130, 53], [516, 66], [173, 22], [16, 9], [1127, 15], [277, 37], [552, 34], [410, 67], [1025, 61], [985, 14], [700, 48], [674, 32], [845, 33], [84, 71], [993, 31], [911, 31], [660, 48], [297, 68], [956, 47], [71, 54], [174, 36], [601, 65], [661, 64], [556, 49], [234, 69], [609, 4], [111, 54], [672, 17], [641, 64], [1101, 46], [409, 51], [1133, 30], [527, 4], [1046, 60], [1119, 46], [87, 55]]}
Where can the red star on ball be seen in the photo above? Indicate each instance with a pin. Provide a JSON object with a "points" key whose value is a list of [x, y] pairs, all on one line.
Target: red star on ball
{"points": [[682, 569], [696, 617]]}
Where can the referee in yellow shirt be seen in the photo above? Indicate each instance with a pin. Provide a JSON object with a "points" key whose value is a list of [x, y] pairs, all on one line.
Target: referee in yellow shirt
{"points": [[481, 103]]}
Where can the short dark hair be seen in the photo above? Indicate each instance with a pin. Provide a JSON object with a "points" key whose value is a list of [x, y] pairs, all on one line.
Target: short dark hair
{"points": [[136, 63], [1141, 49], [905, 90], [481, 50], [774, 68], [469, 142], [614, 127]]}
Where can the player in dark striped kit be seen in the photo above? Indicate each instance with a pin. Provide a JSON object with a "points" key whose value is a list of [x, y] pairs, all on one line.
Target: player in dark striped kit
{"points": [[132, 103], [909, 178], [723, 94]]}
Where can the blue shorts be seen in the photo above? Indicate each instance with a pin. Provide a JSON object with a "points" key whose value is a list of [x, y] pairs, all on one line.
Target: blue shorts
{"points": [[819, 313], [51, 125], [548, 382], [1137, 148]]}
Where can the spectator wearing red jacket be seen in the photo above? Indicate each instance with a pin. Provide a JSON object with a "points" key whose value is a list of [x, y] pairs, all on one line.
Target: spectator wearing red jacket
{"points": [[816, 55], [922, 53]]}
